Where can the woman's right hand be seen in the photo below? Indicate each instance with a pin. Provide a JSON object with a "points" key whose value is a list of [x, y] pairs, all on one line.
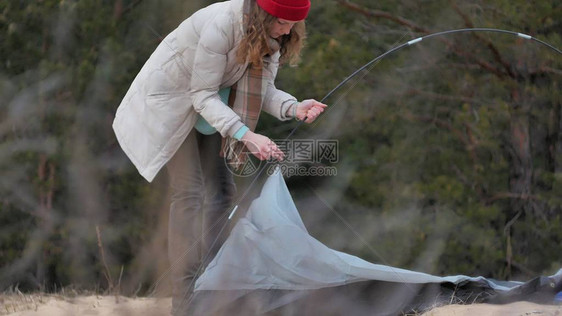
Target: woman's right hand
{"points": [[262, 147]]}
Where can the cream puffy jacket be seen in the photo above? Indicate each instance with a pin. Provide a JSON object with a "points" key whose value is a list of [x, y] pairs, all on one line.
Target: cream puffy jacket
{"points": [[182, 78]]}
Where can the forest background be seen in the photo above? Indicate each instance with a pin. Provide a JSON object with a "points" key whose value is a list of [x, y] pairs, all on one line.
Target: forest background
{"points": [[449, 157]]}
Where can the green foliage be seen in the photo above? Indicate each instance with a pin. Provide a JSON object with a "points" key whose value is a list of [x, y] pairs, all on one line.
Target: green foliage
{"points": [[65, 67], [465, 128]]}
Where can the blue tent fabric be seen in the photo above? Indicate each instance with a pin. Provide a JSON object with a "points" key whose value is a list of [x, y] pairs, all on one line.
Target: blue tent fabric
{"points": [[271, 262]]}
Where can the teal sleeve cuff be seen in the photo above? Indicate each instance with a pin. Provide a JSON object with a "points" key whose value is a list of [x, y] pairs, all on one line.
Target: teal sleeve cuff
{"points": [[241, 132]]}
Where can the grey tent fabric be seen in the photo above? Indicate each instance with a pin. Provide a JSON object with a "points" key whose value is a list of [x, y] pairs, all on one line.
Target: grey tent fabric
{"points": [[270, 250]]}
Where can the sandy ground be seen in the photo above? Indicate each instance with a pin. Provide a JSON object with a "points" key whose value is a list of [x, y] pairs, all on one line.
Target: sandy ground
{"points": [[513, 309], [57, 305]]}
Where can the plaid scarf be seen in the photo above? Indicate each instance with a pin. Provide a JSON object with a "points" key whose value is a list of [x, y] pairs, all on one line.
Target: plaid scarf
{"points": [[246, 99]]}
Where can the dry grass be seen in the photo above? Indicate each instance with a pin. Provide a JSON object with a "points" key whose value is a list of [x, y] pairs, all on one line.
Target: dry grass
{"points": [[13, 300], [19, 302], [72, 303]]}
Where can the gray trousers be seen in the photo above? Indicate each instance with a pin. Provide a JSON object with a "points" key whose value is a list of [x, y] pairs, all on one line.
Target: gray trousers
{"points": [[202, 191]]}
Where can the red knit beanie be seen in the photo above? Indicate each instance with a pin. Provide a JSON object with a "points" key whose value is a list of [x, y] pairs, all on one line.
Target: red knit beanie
{"points": [[292, 10]]}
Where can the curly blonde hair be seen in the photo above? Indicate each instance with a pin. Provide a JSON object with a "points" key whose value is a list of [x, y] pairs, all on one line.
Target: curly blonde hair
{"points": [[255, 45]]}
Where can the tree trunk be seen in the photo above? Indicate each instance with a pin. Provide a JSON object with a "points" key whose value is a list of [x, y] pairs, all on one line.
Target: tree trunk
{"points": [[521, 170]]}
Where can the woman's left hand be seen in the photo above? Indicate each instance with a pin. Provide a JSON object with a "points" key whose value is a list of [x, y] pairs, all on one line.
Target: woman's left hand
{"points": [[309, 109]]}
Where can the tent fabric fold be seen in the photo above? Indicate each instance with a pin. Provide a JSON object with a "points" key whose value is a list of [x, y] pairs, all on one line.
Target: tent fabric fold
{"points": [[269, 250]]}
